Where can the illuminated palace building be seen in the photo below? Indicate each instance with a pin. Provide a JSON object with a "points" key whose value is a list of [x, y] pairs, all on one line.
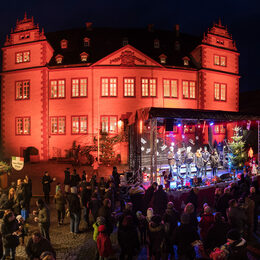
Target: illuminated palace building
{"points": [[75, 85]]}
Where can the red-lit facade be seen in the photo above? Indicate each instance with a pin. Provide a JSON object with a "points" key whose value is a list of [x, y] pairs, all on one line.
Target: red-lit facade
{"points": [[67, 86]]}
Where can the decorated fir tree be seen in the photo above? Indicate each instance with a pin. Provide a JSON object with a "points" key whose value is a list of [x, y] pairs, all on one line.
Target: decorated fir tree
{"points": [[237, 154]]}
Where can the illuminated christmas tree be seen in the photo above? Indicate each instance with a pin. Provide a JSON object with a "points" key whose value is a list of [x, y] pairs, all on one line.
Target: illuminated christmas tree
{"points": [[237, 154]]}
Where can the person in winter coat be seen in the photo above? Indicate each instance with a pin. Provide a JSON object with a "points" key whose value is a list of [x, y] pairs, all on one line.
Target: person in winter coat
{"points": [[116, 177], [198, 162], [67, 180], [10, 232], [142, 225], [236, 246], [149, 195], [214, 160], [37, 245], [207, 219], [236, 216], [43, 218], [60, 202], [217, 233], [193, 198], [185, 236], [28, 192], [105, 211], [46, 185], [104, 244], [256, 198], [149, 215], [189, 209], [74, 179], [74, 209], [218, 193], [94, 206], [223, 202], [128, 238], [100, 221], [85, 197], [155, 238], [160, 201], [170, 220], [249, 210]]}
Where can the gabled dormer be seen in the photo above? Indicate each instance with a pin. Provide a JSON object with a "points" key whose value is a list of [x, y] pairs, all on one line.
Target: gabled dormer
{"points": [[84, 57], [186, 61], [163, 58], [64, 44], [59, 59], [86, 42]]}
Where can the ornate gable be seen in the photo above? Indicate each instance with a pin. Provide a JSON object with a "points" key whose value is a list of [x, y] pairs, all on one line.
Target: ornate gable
{"points": [[127, 56]]}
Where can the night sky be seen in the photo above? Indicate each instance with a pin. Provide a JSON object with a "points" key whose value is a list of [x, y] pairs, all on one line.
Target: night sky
{"points": [[194, 16]]}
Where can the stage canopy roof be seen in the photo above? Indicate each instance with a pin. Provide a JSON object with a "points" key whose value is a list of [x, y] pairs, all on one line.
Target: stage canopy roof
{"points": [[193, 114]]}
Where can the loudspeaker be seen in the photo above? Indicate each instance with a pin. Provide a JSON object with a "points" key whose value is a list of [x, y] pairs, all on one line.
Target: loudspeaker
{"points": [[169, 124]]}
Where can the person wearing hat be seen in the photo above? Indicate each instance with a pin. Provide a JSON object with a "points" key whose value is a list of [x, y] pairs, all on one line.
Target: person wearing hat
{"points": [[236, 246], [104, 244]]}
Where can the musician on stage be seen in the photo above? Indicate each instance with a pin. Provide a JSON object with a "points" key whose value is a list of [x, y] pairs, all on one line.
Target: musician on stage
{"points": [[189, 157], [205, 158], [170, 158], [178, 161], [198, 161], [214, 159]]}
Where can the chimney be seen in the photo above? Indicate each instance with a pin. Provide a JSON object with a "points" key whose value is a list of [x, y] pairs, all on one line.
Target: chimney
{"points": [[150, 27], [177, 30], [89, 26]]}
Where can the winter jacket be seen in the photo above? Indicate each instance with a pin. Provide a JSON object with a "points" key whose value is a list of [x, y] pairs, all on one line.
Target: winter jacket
{"points": [[106, 213], [236, 218], [44, 217], [155, 237], [74, 203], [104, 245], [46, 183], [7, 230], [160, 201], [237, 250], [60, 201], [74, 180], [67, 177], [207, 219]]}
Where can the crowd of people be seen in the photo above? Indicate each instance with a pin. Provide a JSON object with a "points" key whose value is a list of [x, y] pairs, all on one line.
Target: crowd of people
{"points": [[144, 219]]}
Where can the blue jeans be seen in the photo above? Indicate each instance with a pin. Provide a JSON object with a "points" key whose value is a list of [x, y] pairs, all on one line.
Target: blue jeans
{"points": [[6, 252], [74, 222]]}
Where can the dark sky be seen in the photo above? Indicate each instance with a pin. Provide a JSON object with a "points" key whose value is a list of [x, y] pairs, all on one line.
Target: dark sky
{"points": [[194, 16]]}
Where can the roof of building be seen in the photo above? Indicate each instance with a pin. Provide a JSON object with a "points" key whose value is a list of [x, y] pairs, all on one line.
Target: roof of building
{"points": [[104, 41]]}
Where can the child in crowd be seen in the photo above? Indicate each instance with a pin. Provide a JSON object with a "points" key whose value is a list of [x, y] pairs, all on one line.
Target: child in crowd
{"points": [[104, 244], [142, 226], [100, 221], [23, 228]]}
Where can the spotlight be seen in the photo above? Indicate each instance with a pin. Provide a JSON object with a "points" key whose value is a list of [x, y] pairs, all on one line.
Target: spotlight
{"points": [[172, 144], [179, 124], [183, 136], [211, 123], [198, 126], [184, 126]]}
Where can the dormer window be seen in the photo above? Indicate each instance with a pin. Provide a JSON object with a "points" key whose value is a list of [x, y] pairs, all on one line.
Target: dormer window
{"points": [[86, 42], [156, 44], [59, 59], [21, 36], [24, 36], [220, 42], [163, 58], [84, 56], [186, 61], [64, 44], [125, 41]]}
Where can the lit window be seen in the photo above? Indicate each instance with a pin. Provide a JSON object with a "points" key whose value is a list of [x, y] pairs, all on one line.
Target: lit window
{"points": [[186, 62], [64, 44], [58, 125], [220, 91], [58, 88], [79, 125], [86, 42], [156, 44], [22, 89], [23, 125], [189, 129], [59, 59], [84, 56], [149, 86], [170, 88], [220, 60], [109, 87], [79, 87], [129, 87], [189, 89], [125, 41], [219, 129], [163, 58], [22, 57], [109, 124]]}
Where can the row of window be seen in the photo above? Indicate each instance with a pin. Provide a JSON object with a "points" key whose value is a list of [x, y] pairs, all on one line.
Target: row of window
{"points": [[109, 88], [79, 125], [190, 129]]}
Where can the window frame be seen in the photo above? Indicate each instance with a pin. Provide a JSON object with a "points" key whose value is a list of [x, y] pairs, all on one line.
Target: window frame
{"points": [[57, 88], [109, 116], [220, 126], [195, 91], [79, 116], [16, 126], [220, 56], [109, 87], [16, 53], [170, 86], [57, 125], [219, 91], [149, 87], [128, 83], [79, 88], [15, 86]]}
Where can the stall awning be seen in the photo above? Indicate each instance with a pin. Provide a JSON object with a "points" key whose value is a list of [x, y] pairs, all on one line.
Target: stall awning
{"points": [[157, 112]]}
